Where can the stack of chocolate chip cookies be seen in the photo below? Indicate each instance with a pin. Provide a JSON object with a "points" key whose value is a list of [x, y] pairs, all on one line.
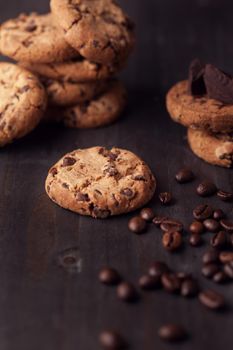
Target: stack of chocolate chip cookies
{"points": [[204, 104], [75, 52]]}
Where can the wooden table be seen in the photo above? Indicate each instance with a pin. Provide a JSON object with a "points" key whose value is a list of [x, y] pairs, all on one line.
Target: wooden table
{"points": [[42, 306]]}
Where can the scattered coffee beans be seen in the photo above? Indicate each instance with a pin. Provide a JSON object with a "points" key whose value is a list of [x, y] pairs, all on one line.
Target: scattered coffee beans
{"points": [[226, 257], [158, 220], [211, 299], [219, 240], [210, 269], [227, 225], [206, 189], [172, 240], [211, 225], [137, 225], [218, 214], [184, 175], [210, 256], [225, 196], [189, 288], [148, 282], [165, 198], [220, 277], [171, 283], [157, 269], [196, 227], [111, 340], [228, 269], [171, 225], [109, 276], [195, 240], [202, 212], [172, 332], [126, 292], [147, 214]]}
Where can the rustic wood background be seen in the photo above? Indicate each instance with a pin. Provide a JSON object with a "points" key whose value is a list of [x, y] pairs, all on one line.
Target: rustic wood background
{"points": [[45, 307]]}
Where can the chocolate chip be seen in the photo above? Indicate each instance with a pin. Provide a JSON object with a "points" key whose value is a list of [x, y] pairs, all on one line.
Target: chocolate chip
{"points": [[53, 171], [148, 282], [139, 178], [206, 189], [171, 225], [225, 196], [65, 185], [195, 240], [226, 257], [157, 268], [218, 214], [196, 84], [210, 256], [211, 299], [126, 292], [219, 85], [202, 212], [111, 340], [196, 227], [111, 170], [227, 225], [219, 240], [165, 198], [100, 213], [82, 197], [147, 214], [31, 27], [171, 283], [172, 240], [209, 270], [184, 175], [172, 332], [24, 89], [137, 225], [68, 161], [189, 288], [95, 43], [109, 276], [127, 192], [211, 225]]}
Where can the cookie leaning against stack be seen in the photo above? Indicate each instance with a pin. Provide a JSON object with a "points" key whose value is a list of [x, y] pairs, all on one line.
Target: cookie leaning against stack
{"points": [[204, 104]]}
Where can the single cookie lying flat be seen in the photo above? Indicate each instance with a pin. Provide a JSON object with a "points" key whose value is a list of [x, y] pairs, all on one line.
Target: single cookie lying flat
{"points": [[98, 29], [198, 112], [22, 102], [100, 182], [34, 38], [103, 110], [67, 94], [215, 149], [77, 70]]}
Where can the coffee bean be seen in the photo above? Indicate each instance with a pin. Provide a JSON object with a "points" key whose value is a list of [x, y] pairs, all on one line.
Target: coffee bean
{"points": [[171, 283], [228, 269], [184, 175], [211, 225], [202, 212], [196, 227], [218, 214], [189, 288], [111, 340], [109, 276], [126, 292], [172, 332], [206, 189], [225, 196], [172, 240], [158, 220], [147, 214], [210, 256], [211, 299], [157, 269], [165, 198], [226, 257], [220, 277], [171, 225], [209, 270], [227, 225], [148, 282], [195, 240], [183, 275], [137, 225], [219, 240]]}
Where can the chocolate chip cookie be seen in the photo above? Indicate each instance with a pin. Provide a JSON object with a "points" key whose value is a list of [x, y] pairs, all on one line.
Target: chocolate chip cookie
{"points": [[66, 94], [199, 112], [34, 38], [100, 182], [22, 102], [98, 29], [77, 70], [102, 110], [215, 149]]}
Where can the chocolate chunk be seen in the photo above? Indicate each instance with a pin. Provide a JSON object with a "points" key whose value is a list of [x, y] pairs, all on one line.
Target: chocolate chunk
{"points": [[101, 213], [219, 85], [68, 161], [127, 192], [82, 197], [196, 84]]}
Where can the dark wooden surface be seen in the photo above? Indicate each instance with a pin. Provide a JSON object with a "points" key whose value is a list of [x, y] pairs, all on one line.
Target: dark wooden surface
{"points": [[43, 306]]}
